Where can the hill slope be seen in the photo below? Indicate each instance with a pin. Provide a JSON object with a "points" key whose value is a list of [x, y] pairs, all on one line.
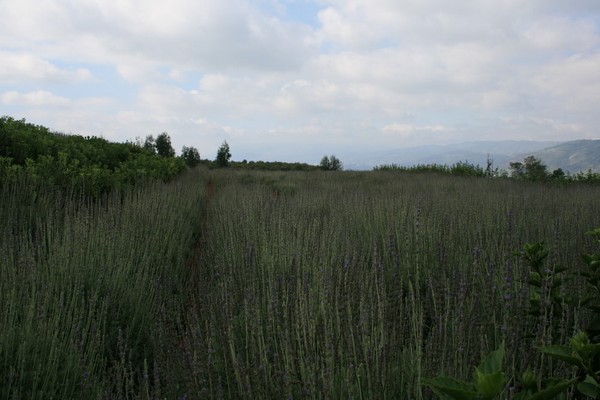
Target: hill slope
{"points": [[501, 152], [574, 156]]}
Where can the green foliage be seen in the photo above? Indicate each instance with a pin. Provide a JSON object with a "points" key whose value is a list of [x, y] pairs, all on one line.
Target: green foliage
{"points": [[557, 174], [331, 163], [580, 353], [436, 168], [324, 164], [461, 168], [466, 169], [273, 166], [589, 177], [163, 145], [191, 155], [545, 283], [530, 169], [488, 380], [223, 156], [92, 165], [150, 144]]}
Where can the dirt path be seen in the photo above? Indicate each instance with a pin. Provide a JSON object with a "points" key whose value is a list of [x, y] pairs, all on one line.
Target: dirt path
{"points": [[210, 188]]}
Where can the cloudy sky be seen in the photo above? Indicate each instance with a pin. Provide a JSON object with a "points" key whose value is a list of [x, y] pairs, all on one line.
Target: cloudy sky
{"points": [[295, 79]]}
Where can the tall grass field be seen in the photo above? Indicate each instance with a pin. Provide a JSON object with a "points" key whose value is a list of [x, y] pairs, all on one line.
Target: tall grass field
{"points": [[230, 284]]}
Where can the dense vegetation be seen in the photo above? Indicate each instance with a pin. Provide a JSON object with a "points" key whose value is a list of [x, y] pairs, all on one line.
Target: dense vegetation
{"points": [[93, 164], [87, 288], [361, 284], [233, 283], [531, 169]]}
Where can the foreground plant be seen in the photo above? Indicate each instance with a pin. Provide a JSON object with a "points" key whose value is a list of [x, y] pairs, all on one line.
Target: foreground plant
{"points": [[582, 352], [488, 380]]}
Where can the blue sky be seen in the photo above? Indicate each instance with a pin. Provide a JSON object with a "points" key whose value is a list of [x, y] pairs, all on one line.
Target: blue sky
{"points": [[296, 79]]}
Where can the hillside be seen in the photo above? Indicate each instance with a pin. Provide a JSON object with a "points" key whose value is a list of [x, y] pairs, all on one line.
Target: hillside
{"points": [[574, 156], [477, 152]]}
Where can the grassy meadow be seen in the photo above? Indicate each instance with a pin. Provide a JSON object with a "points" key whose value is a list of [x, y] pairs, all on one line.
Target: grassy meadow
{"points": [[230, 284]]}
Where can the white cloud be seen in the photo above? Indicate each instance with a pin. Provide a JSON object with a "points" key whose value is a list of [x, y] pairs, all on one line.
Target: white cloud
{"points": [[562, 34], [410, 129], [37, 98], [415, 134], [206, 70], [574, 82], [204, 34], [24, 68]]}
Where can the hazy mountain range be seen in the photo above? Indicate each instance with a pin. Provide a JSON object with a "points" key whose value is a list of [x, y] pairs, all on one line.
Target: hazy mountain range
{"points": [[573, 156]]}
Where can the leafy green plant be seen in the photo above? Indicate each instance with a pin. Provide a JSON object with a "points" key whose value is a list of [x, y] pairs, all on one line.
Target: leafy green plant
{"points": [[545, 284], [581, 353], [487, 383]]}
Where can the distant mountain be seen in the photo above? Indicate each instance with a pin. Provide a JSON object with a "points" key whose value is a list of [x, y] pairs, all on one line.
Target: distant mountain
{"points": [[574, 156], [501, 152]]}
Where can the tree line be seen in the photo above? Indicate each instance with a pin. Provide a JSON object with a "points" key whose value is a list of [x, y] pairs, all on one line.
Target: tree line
{"points": [[530, 169], [96, 165], [91, 164]]}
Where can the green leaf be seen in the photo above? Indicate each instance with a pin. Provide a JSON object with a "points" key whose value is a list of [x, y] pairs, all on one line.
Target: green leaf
{"points": [[594, 232], [448, 387], [558, 269], [489, 385], [492, 363], [592, 260], [564, 353], [589, 387], [553, 390], [528, 380], [579, 340], [587, 258], [589, 351]]}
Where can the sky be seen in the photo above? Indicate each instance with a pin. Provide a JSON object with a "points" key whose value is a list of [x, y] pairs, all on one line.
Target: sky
{"points": [[292, 80]]}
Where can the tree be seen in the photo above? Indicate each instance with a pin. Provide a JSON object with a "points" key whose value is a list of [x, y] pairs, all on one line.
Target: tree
{"points": [[557, 174], [335, 164], [163, 145], [191, 155], [150, 144], [535, 169], [517, 169], [223, 156], [331, 163], [531, 169], [325, 163], [490, 171]]}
